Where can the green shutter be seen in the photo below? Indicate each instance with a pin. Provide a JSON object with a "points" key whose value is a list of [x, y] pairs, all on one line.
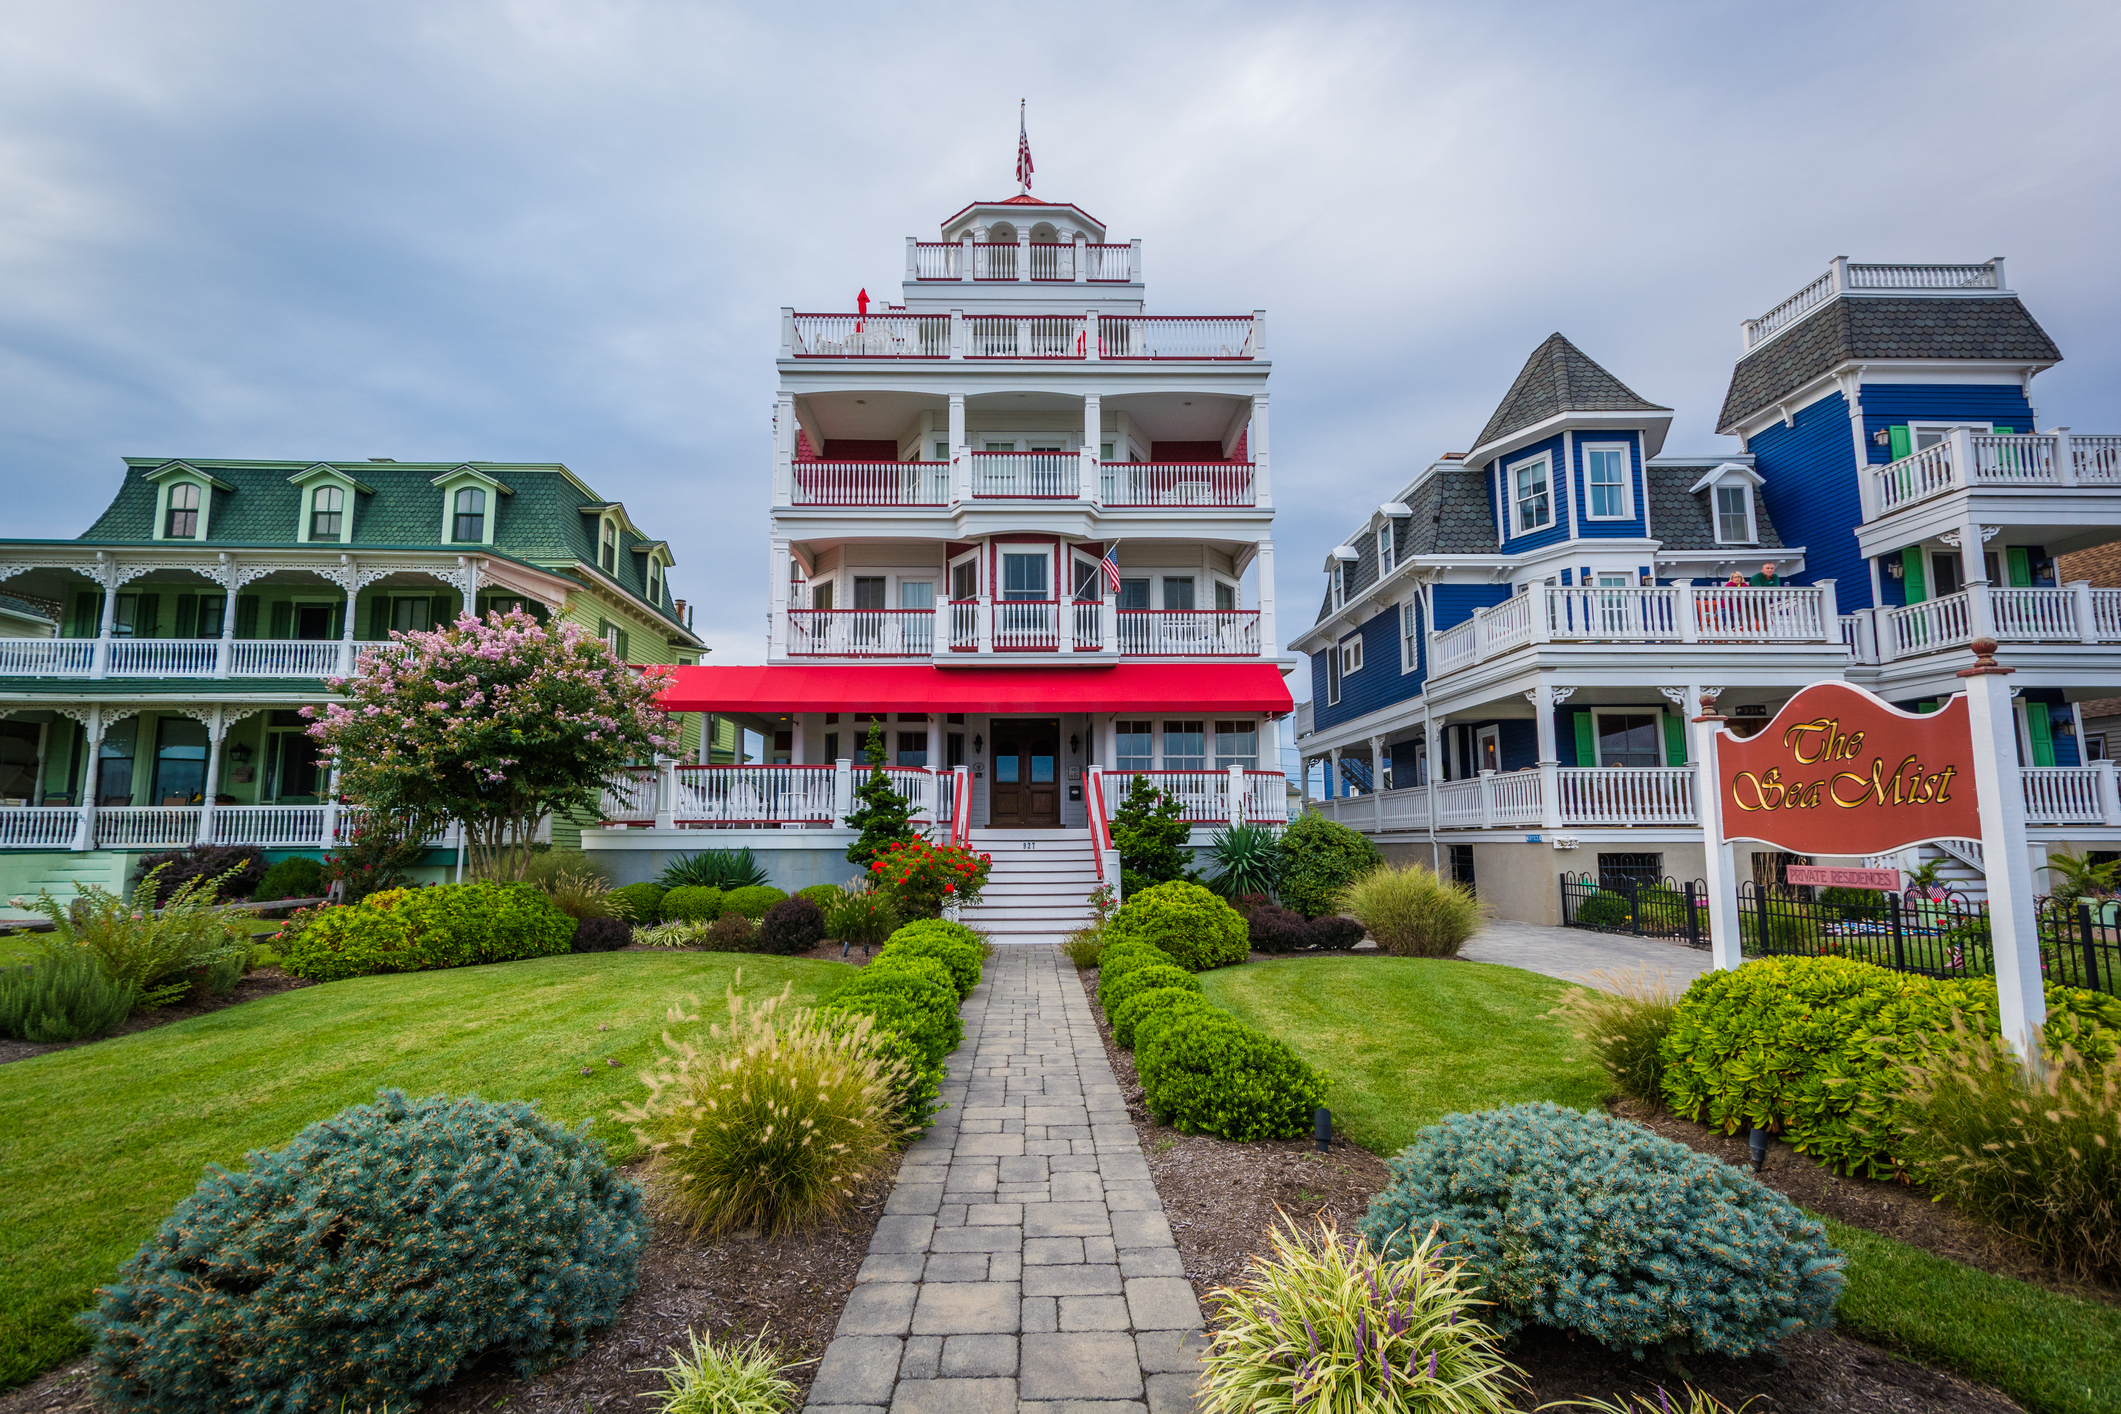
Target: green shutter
{"points": [[88, 613], [624, 656], [2041, 728], [246, 616], [1915, 583], [283, 619], [187, 616], [2020, 562], [147, 615], [379, 618], [2004, 431], [1674, 739], [1586, 738], [1903, 443]]}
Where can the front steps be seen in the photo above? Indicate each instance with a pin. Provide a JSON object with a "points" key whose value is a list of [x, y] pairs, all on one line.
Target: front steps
{"points": [[1038, 890]]}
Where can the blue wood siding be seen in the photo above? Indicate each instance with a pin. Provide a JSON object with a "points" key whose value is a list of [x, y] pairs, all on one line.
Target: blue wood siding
{"points": [[1379, 682], [1519, 740], [1557, 479], [1813, 495], [1580, 476], [1455, 603], [1885, 404]]}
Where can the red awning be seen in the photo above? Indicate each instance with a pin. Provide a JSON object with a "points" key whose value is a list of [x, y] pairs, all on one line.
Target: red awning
{"points": [[1127, 687]]}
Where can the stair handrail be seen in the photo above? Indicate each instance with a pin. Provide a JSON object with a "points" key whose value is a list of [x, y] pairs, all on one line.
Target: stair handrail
{"points": [[961, 807], [1100, 834]]}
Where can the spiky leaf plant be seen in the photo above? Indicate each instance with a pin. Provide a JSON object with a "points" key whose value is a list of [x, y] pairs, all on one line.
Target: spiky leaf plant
{"points": [[1247, 860], [742, 1377], [775, 1124], [1326, 1325]]}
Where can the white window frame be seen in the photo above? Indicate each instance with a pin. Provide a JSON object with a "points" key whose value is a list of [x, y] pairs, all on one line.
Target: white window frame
{"points": [[608, 539], [950, 572], [655, 581], [1627, 481], [1481, 739], [1385, 563], [1600, 713], [898, 589], [1409, 635], [1338, 584], [1237, 592], [1351, 654], [1942, 431], [1333, 676], [1752, 510], [1509, 472]]}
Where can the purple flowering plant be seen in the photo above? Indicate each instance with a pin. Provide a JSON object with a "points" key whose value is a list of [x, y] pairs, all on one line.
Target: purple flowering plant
{"points": [[493, 723]]}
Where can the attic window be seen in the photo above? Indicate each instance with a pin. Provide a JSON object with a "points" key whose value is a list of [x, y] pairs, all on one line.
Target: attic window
{"points": [[327, 510], [608, 547], [1606, 474], [1531, 495], [1340, 585], [183, 520], [469, 522], [1734, 515], [1384, 549], [655, 583]]}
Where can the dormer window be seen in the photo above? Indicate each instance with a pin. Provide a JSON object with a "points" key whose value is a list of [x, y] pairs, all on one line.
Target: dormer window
{"points": [[1384, 549], [327, 512], [608, 547], [1734, 515], [1605, 473], [655, 583], [469, 520], [1531, 495], [183, 519], [1340, 586]]}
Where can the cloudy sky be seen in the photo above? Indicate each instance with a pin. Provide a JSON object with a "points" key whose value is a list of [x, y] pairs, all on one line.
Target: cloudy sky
{"points": [[562, 230]]}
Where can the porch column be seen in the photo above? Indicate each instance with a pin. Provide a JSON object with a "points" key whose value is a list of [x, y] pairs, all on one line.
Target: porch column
{"points": [[91, 774], [1092, 334], [985, 610], [1023, 255], [960, 466], [1082, 275], [1333, 774], [964, 260], [777, 561], [666, 793], [44, 747], [1689, 613], [1830, 608], [1980, 613], [216, 729], [332, 810], [1093, 434], [109, 580], [346, 625], [1377, 780], [1256, 448], [842, 790], [1303, 782], [1237, 795], [2081, 605], [1269, 637], [795, 739], [935, 755], [225, 650], [1549, 754], [784, 449]]}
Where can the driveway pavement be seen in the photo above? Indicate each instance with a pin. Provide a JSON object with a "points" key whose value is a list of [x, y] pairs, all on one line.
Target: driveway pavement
{"points": [[1575, 953]]}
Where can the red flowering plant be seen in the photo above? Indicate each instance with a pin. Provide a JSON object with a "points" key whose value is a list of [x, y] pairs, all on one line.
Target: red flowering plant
{"points": [[922, 877], [495, 723]]}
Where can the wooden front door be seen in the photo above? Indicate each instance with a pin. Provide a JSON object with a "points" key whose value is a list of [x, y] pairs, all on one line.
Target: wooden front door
{"points": [[1026, 774]]}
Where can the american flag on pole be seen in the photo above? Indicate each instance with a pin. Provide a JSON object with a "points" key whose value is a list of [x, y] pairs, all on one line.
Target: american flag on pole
{"points": [[1023, 151], [1110, 565]]}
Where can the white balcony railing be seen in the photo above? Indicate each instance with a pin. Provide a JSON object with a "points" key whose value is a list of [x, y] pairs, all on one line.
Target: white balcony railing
{"points": [[1968, 457], [1032, 475], [1843, 276], [935, 260], [859, 483], [1024, 335], [1089, 618], [285, 658], [964, 625], [750, 797], [1022, 625], [1206, 797], [2075, 613], [896, 334], [1189, 633], [2067, 795], [1627, 795], [183, 657], [1176, 484], [318, 826], [1622, 614], [861, 633], [872, 336], [37, 826], [146, 826], [1109, 262], [164, 657], [46, 657]]}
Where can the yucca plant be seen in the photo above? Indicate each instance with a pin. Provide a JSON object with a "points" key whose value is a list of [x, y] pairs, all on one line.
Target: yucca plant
{"points": [[742, 1377], [1329, 1325], [2035, 1155], [1625, 1015], [776, 1126], [1411, 912], [672, 935], [1247, 860], [714, 869]]}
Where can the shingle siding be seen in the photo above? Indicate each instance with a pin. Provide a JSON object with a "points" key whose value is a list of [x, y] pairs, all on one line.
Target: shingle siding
{"points": [[1685, 519]]}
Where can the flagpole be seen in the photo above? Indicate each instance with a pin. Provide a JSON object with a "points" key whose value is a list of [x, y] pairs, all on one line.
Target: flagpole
{"points": [[1023, 138]]}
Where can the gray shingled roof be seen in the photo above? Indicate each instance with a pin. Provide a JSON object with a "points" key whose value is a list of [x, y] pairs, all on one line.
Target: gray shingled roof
{"points": [[1451, 517], [29, 610], [1685, 520], [1559, 378], [1866, 327]]}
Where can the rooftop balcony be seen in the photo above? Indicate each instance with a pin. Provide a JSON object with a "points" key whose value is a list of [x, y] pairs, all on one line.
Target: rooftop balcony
{"points": [[1021, 476], [1721, 615], [1087, 337], [973, 627], [1842, 277], [2022, 460], [1025, 262]]}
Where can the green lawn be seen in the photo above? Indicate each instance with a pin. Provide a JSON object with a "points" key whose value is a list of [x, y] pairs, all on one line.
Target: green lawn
{"points": [[2053, 1354], [97, 1144], [1408, 1040]]}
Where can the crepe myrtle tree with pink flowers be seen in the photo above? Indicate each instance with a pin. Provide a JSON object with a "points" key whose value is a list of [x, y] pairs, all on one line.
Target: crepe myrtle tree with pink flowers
{"points": [[494, 724]]}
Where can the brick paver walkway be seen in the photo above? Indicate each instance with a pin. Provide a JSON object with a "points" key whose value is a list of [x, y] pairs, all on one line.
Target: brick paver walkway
{"points": [[1023, 1262]]}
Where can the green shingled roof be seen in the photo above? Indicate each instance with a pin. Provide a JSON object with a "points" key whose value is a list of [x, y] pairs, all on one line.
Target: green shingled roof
{"points": [[541, 523]]}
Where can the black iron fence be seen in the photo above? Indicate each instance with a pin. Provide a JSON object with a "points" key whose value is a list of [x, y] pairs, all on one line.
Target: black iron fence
{"points": [[1934, 933], [1644, 908]]}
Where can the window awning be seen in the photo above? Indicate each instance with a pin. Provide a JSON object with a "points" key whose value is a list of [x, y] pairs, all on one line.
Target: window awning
{"points": [[1255, 688]]}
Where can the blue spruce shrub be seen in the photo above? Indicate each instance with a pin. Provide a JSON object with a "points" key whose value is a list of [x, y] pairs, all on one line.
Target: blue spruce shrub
{"points": [[1589, 1223], [379, 1252]]}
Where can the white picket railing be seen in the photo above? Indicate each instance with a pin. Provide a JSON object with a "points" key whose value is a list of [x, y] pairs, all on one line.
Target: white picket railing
{"points": [[46, 657], [859, 483], [146, 826], [2106, 614], [1038, 475], [731, 795], [994, 260], [1627, 795], [1928, 626], [1090, 625], [1925, 473], [1966, 457], [1845, 275], [1190, 633], [163, 657], [180, 657], [2062, 795], [1212, 336], [1109, 262], [1629, 614], [1505, 625], [284, 658], [1266, 797], [1462, 804], [964, 625], [1026, 625], [2097, 459], [1768, 614], [935, 260], [37, 826], [861, 633], [1024, 335], [269, 826], [1758, 331], [1612, 614], [917, 784], [1456, 647], [1051, 260], [1203, 795], [872, 335], [1177, 484], [2034, 615]]}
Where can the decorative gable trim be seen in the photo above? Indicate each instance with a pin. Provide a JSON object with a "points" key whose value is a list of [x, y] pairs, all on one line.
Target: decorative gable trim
{"points": [[325, 471], [451, 482], [1725, 472]]}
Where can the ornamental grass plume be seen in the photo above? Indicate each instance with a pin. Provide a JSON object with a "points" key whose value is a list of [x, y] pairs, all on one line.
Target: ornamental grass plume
{"points": [[1327, 1325], [1411, 911], [775, 1124], [1689, 1401], [1625, 1015]]}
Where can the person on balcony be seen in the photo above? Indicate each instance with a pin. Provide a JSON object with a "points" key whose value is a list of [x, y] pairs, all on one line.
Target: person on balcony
{"points": [[1767, 578]]}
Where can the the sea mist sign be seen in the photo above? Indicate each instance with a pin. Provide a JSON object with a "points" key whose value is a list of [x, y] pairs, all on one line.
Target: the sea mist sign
{"points": [[1842, 771]]}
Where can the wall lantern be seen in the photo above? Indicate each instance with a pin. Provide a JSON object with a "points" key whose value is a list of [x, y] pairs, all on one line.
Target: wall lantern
{"points": [[1895, 569], [1075, 744], [241, 752], [1882, 437], [977, 742]]}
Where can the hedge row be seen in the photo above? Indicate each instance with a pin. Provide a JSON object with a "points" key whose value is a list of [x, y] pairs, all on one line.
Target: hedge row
{"points": [[912, 987]]}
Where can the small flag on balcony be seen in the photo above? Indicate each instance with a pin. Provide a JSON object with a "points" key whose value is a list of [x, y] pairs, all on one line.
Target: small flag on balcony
{"points": [[1023, 152], [1110, 565]]}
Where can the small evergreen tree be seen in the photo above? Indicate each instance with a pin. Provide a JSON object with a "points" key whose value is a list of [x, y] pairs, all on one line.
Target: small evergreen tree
{"points": [[1150, 835], [880, 812]]}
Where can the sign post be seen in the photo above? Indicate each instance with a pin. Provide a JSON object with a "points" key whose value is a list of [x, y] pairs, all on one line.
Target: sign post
{"points": [[1841, 771]]}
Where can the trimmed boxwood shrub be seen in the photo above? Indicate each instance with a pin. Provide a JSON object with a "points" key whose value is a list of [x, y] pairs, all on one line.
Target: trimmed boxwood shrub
{"points": [[1817, 1048], [924, 1011], [417, 930], [379, 1252], [1116, 958], [1156, 1001], [823, 895], [1330, 930], [794, 925], [645, 901], [1198, 929], [1215, 1075], [1319, 858], [601, 934], [953, 945], [1277, 930], [1593, 1224], [1113, 989], [297, 876], [931, 969], [752, 901], [692, 903]]}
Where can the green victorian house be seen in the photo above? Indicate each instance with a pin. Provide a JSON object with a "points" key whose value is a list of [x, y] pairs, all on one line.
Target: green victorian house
{"points": [[152, 671]]}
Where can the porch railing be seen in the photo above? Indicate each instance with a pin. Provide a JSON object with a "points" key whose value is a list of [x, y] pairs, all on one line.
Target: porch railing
{"points": [[896, 334], [1024, 335], [1219, 797], [319, 826], [183, 657], [165, 657], [1624, 795], [1190, 633], [861, 633], [1645, 614], [286, 658], [1967, 457], [1176, 483], [740, 797], [860, 483], [872, 336], [1022, 625], [1037, 475], [37, 826], [2076, 613], [47, 657]]}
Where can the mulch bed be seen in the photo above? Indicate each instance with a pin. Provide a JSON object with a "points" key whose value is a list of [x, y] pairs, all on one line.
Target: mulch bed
{"points": [[263, 982], [789, 1289], [1222, 1199]]}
